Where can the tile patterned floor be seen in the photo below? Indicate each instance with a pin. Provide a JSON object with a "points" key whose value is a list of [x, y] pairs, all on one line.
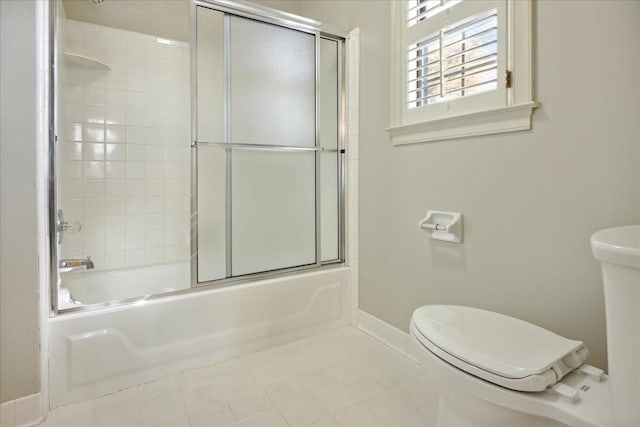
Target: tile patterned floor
{"points": [[340, 378]]}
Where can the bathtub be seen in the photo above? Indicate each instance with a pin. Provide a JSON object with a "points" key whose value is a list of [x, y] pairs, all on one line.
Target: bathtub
{"points": [[101, 351], [92, 287]]}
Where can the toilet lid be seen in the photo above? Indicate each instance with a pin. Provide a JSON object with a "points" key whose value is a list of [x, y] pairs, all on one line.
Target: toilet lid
{"points": [[501, 349]]}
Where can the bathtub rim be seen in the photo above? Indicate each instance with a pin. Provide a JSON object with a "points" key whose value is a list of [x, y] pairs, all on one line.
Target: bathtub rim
{"points": [[232, 282]]}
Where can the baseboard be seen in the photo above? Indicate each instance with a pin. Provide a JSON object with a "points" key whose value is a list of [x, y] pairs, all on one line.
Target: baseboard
{"points": [[23, 412], [391, 336]]}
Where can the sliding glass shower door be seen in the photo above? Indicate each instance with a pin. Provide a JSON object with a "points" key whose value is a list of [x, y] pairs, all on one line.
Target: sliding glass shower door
{"points": [[269, 165]]}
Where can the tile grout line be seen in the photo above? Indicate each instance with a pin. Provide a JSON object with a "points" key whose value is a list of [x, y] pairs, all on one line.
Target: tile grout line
{"points": [[263, 391]]}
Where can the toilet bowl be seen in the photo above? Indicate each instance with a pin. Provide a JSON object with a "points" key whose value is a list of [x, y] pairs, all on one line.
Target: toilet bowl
{"points": [[495, 370]]}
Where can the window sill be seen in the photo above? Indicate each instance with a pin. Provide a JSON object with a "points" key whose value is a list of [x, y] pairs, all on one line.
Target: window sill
{"points": [[500, 120]]}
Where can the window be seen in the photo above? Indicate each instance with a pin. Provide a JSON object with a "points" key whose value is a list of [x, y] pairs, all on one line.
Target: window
{"points": [[460, 69]]}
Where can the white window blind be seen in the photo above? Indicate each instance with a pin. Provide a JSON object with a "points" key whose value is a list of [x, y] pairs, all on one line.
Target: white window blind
{"points": [[454, 50], [460, 60], [419, 10], [453, 62]]}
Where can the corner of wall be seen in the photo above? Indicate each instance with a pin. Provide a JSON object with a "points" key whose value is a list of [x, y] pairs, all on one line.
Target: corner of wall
{"points": [[353, 160]]}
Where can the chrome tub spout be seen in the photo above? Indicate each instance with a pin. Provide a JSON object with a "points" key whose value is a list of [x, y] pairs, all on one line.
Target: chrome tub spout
{"points": [[75, 264]]}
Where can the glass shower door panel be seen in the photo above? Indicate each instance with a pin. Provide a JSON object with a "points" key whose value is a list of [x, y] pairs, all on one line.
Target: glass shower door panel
{"points": [[273, 210], [211, 228], [329, 159], [210, 76], [272, 84]]}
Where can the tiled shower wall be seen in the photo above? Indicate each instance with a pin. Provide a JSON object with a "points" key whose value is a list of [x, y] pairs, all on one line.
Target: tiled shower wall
{"points": [[123, 157]]}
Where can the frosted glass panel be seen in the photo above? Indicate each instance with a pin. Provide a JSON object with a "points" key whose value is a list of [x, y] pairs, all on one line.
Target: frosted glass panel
{"points": [[210, 75], [211, 213], [272, 84], [329, 206], [273, 205], [329, 140]]}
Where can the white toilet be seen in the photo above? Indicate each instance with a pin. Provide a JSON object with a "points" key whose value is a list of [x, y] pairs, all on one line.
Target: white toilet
{"points": [[495, 370]]}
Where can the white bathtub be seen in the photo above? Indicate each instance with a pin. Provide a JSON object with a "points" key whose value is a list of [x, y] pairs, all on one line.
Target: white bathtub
{"points": [[91, 287], [98, 352]]}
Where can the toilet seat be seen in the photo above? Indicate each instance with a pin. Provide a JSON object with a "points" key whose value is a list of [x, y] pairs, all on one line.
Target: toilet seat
{"points": [[464, 383], [497, 348]]}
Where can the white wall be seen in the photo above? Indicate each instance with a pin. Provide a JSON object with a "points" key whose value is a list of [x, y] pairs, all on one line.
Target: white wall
{"points": [[19, 336], [531, 200]]}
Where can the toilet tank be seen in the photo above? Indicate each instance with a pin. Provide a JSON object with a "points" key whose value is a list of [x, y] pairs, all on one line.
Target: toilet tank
{"points": [[618, 250]]}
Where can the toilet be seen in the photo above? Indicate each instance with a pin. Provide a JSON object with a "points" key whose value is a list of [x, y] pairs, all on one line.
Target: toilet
{"points": [[495, 370]]}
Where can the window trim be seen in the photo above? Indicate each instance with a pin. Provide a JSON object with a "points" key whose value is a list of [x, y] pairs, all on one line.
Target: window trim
{"points": [[515, 115]]}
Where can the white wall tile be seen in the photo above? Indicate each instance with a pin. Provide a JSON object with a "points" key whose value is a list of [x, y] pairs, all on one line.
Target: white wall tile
{"points": [[115, 41], [136, 257], [73, 112], [94, 96], [116, 79], [135, 205], [115, 152], [94, 243], [136, 117], [94, 207], [136, 170], [114, 225], [71, 150], [116, 241], [136, 153], [136, 82], [136, 222], [93, 133], [155, 205], [73, 93], [70, 189], [116, 188], [117, 259], [116, 116], [136, 135], [93, 151], [116, 206], [136, 100], [115, 134], [93, 170], [72, 132], [136, 65], [93, 188], [155, 170], [116, 98], [155, 255], [136, 188], [94, 78], [115, 169], [94, 42]]}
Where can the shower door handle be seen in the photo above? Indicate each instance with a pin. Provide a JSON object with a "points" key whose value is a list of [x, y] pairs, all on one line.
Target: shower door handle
{"points": [[71, 226]]}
